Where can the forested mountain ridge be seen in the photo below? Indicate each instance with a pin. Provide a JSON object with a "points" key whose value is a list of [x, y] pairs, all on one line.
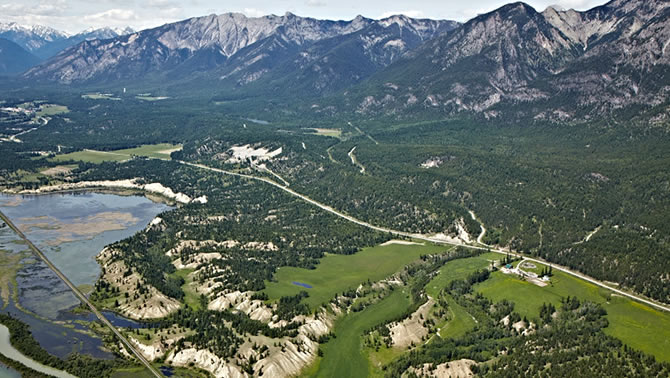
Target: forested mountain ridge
{"points": [[14, 59]]}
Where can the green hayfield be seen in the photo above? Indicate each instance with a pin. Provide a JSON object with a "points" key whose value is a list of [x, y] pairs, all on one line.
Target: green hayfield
{"points": [[335, 133], [635, 324], [529, 297], [50, 109], [460, 320], [99, 96], [344, 355], [338, 273], [158, 151]]}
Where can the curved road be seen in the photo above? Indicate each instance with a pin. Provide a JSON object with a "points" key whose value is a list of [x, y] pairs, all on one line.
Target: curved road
{"points": [[81, 296], [427, 238]]}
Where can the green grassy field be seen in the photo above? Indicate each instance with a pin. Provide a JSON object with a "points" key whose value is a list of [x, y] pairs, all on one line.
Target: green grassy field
{"points": [[458, 270], [460, 321], [344, 355], [191, 298], [637, 325], [337, 273], [335, 133], [99, 96], [51, 109], [159, 151]]}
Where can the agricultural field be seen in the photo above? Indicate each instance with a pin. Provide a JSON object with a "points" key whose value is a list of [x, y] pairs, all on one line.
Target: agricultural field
{"points": [[100, 96], [637, 325], [459, 269], [51, 109], [338, 273], [334, 133], [158, 151]]}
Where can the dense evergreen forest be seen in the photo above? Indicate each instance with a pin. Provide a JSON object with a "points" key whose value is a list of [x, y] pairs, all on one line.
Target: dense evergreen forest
{"points": [[590, 196], [539, 188]]}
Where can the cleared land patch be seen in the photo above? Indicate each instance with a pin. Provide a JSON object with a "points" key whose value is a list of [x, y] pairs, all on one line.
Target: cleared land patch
{"points": [[152, 98], [51, 109], [158, 151], [100, 96], [338, 273], [335, 133]]}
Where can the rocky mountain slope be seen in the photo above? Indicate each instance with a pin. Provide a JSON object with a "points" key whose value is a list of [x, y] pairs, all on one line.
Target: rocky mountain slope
{"points": [[337, 63], [238, 49], [55, 47], [556, 64], [14, 59], [553, 65]]}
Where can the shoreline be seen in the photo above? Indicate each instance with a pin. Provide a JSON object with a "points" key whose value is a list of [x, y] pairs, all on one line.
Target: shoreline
{"points": [[125, 192]]}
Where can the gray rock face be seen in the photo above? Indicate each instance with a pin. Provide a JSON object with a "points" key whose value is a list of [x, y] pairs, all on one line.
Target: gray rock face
{"points": [[603, 59], [205, 43]]}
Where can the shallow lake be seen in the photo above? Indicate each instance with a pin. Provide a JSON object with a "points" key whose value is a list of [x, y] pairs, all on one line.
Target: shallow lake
{"points": [[71, 229]]}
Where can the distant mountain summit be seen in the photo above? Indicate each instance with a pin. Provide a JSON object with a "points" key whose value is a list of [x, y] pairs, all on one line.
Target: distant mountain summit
{"points": [[90, 34], [31, 38], [45, 42]]}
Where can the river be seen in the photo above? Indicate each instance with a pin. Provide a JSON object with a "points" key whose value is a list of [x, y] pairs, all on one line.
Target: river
{"points": [[8, 350], [71, 229]]}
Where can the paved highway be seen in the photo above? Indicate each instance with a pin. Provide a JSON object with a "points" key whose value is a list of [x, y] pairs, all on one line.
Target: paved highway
{"points": [[329, 209]]}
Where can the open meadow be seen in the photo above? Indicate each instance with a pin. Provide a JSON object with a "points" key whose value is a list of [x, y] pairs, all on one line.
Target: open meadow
{"points": [[338, 273], [157, 151], [344, 355], [637, 325]]}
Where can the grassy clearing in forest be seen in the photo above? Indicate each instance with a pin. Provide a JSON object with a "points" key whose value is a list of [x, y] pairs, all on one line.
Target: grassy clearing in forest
{"points": [[338, 273], [158, 151], [344, 355], [637, 325]]}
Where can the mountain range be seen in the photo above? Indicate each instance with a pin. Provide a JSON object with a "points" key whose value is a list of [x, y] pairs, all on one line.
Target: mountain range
{"points": [[14, 59], [555, 64], [45, 42]]}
